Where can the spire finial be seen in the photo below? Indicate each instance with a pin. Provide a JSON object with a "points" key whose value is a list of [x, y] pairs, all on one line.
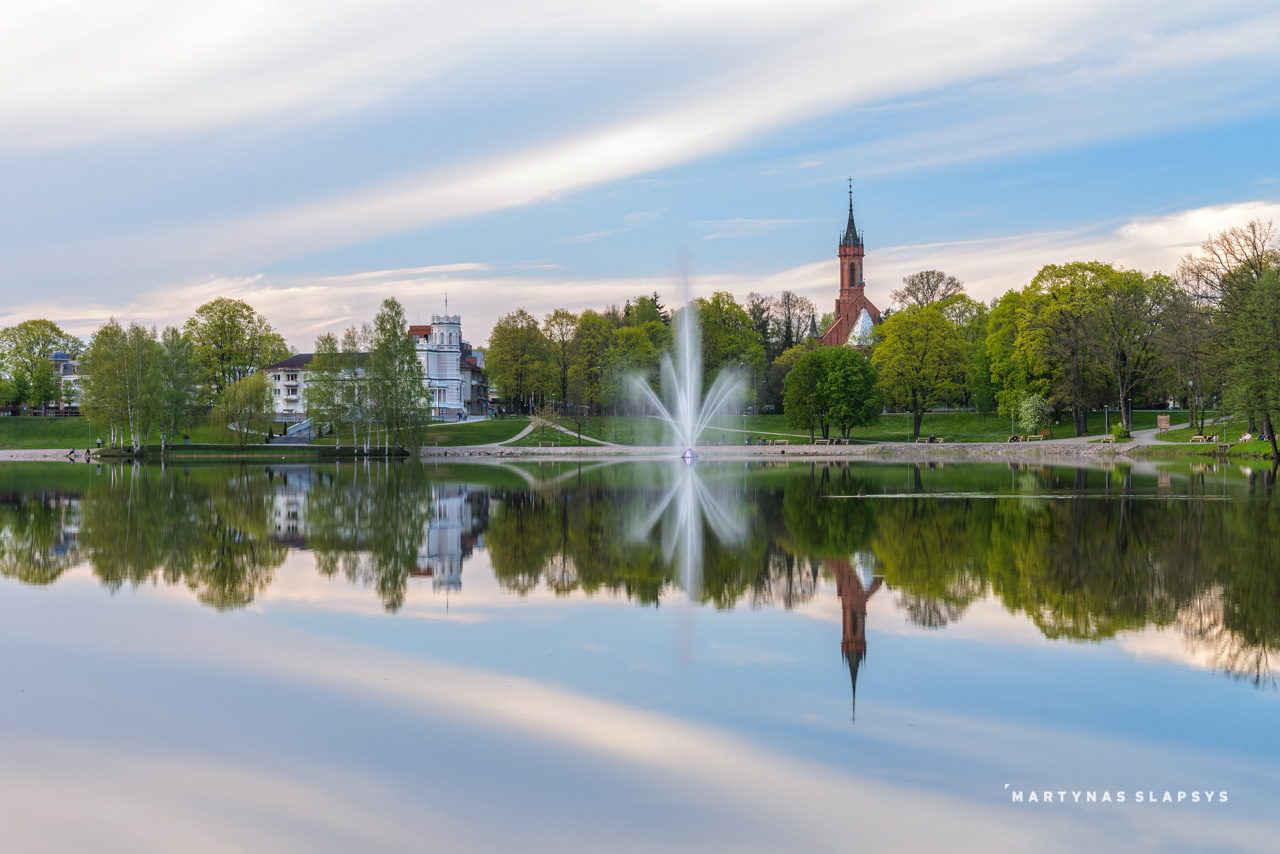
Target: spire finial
{"points": [[851, 194]]}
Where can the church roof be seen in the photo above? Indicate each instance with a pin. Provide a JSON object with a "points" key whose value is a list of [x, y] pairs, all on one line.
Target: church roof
{"points": [[851, 237]]}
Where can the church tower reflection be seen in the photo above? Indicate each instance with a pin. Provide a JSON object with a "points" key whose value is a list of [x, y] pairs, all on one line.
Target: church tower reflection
{"points": [[855, 584]]}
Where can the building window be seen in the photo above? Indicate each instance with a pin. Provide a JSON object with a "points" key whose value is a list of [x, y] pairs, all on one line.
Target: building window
{"points": [[277, 391], [277, 378], [292, 377]]}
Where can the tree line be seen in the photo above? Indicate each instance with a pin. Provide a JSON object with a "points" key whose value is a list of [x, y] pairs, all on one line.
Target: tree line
{"points": [[1078, 337]]}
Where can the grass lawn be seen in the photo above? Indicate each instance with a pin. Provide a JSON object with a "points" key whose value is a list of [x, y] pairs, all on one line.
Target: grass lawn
{"points": [[41, 432], [550, 436], [894, 427], [1227, 432], [454, 435]]}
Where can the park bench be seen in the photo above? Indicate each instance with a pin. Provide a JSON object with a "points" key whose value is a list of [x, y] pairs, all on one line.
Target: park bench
{"points": [[1036, 438], [1108, 440], [782, 441], [842, 442], [822, 441], [1199, 439], [922, 440]]}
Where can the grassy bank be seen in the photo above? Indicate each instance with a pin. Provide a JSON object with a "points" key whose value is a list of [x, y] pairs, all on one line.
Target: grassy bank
{"points": [[454, 435], [34, 432], [893, 427]]}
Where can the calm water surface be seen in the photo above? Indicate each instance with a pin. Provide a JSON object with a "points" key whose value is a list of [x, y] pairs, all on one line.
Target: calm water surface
{"points": [[639, 657]]}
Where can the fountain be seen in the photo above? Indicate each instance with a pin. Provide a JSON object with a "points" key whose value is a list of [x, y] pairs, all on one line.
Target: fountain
{"points": [[685, 410]]}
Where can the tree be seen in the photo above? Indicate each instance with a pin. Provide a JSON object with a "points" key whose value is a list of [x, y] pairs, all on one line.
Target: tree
{"points": [[397, 378], [559, 327], [45, 388], [760, 308], [589, 361], [919, 355], [322, 396], [1252, 333], [1059, 335], [792, 316], [25, 345], [1130, 315], [804, 396], [177, 384], [244, 407], [517, 357], [852, 399], [1253, 248], [232, 340], [1011, 370], [728, 340], [1032, 417], [119, 382], [926, 287]]}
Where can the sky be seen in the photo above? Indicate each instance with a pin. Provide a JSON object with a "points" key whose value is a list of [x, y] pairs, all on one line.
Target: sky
{"points": [[314, 159]]}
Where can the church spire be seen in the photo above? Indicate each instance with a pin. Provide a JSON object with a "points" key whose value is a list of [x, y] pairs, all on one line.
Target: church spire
{"points": [[851, 237]]}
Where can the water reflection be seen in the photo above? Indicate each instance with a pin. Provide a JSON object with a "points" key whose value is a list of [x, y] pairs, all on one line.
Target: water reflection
{"points": [[1084, 553]]}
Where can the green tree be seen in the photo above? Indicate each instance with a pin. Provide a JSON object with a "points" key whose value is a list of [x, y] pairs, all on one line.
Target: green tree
{"points": [[323, 394], [232, 341], [25, 345], [919, 356], [1060, 335], [397, 378], [1251, 320], [559, 328], [517, 357], [1130, 317], [244, 408], [589, 358], [850, 389], [804, 396], [729, 340], [177, 384], [45, 387]]}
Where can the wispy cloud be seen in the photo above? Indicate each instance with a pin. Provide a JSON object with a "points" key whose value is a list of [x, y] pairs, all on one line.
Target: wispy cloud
{"points": [[303, 305], [743, 227], [594, 235]]}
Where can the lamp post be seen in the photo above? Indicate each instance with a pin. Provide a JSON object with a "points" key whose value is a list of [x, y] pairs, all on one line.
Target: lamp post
{"points": [[1106, 418]]}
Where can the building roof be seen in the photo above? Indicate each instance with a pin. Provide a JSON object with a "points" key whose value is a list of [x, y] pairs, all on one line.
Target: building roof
{"points": [[421, 330], [298, 360], [851, 237]]}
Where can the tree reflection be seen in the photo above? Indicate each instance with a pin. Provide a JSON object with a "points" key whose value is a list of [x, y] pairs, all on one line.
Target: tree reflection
{"points": [[208, 531], [37, 537], [1084, 553], [369, 522]]}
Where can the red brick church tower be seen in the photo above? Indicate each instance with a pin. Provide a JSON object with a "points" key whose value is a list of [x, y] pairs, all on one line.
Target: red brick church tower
{"points": [[855, 315]]}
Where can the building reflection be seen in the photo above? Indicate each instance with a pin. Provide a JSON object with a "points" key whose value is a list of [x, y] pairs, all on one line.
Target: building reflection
{"points": [[856, 583], [456, 528]]}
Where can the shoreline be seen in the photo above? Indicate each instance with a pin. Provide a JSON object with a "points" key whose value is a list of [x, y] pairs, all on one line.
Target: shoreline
{"points": [[879, 451]]}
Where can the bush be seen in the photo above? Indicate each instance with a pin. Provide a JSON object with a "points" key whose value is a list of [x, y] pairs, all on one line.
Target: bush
{"points": [[1119, 432]]}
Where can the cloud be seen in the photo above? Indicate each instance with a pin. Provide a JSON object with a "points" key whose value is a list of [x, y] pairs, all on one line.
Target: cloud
{"points": [[731, 228], [303, 305], [594, 235], [761, 68]]}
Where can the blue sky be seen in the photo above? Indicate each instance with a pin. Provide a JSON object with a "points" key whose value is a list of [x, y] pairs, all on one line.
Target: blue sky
{"points": [[314, 160]]}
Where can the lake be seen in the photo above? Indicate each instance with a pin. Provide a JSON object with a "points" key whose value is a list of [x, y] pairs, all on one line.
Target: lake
{"points": [[640, 656]]}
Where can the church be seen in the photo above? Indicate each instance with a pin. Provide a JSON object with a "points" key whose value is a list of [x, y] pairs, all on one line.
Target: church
{"points": [[855, 315]]}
